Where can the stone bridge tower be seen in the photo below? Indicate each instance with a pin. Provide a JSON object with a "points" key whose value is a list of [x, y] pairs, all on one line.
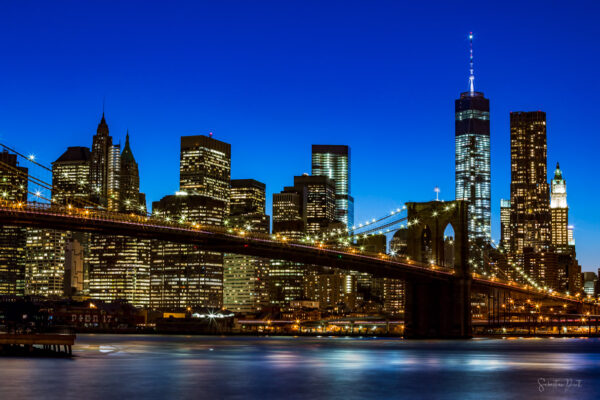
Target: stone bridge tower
{"points": [[438, 308]]}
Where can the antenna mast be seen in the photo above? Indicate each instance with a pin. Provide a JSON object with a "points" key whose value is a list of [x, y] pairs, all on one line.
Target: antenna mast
{"points": [[471, 70]]}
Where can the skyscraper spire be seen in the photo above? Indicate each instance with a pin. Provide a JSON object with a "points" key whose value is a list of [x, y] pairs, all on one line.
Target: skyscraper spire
{"points": [[472, 162], [471, 70]]}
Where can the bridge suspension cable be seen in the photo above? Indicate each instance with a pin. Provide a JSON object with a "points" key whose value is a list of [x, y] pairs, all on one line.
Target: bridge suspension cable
{"points": [[518, 270], [48, 186]]}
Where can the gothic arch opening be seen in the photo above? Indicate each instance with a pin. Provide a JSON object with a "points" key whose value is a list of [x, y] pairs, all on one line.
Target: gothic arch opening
{"points": [[448, 248]]}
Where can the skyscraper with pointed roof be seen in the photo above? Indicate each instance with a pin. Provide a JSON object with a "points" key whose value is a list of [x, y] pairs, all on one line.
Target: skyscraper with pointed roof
{"points": [[131, 200], [119, 266], [472, 157], [99, 163]]}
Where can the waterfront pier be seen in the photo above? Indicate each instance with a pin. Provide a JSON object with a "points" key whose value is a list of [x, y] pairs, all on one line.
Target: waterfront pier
{"points": [[32, 343]]}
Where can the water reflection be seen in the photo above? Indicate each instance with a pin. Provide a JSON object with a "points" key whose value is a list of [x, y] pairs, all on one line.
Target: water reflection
{"points": [[156, 367]]}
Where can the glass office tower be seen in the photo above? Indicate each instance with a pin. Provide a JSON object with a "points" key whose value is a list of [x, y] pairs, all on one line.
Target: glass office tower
{"points": [[472, 161], [333, 161]]}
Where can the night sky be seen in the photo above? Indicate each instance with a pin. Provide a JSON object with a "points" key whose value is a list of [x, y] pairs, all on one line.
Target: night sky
{"points": [[272, 78]]}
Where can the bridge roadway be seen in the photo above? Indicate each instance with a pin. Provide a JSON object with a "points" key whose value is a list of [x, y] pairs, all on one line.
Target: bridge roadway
{"points": [[226, 240]]}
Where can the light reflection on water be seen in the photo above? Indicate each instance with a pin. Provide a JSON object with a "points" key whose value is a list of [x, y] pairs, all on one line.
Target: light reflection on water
{"points": [[157, 367]]}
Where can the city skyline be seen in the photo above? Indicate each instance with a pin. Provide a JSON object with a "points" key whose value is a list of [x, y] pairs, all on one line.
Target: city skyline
{"points": [[390, 139]]}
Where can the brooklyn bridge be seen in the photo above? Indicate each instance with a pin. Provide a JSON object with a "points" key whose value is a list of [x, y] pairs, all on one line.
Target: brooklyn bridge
{"points": [[438, 298]]}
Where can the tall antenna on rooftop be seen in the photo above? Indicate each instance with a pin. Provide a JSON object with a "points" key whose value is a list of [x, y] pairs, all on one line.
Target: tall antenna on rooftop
{"points": [[471, 70]]}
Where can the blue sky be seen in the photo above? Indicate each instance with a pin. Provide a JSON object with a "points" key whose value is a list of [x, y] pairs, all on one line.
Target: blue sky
{"points": [[274, 77]]}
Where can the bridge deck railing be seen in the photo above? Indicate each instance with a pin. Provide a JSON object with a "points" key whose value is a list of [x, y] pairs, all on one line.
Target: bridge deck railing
{"points": [[153, 221]]}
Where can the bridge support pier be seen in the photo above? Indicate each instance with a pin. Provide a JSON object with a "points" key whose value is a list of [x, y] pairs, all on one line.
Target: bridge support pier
{"points": [[438, 309]]}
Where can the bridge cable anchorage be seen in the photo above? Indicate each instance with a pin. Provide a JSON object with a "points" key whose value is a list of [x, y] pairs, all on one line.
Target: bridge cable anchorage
{"points": [[86, 201]]}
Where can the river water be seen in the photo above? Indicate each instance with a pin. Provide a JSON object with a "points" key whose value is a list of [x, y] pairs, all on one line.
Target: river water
{"points": [[199, 367]]}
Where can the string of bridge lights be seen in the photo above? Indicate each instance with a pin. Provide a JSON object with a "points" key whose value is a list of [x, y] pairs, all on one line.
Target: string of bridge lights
{"points": [[343, 237]]}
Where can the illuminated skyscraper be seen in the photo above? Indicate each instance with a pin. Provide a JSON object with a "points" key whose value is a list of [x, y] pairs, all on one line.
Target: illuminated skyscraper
{"points": [[317, 202], [100, 160], [205, 167], [332, 289], [119, 269], [286, 277], [530, 218], [131, 200], [570, 236], [505, 224], [247, 206], [247, 196], [559, 211], [529, 191], [71, 177], [182, 275], [114, 177], [245, 277], [71, 185], [472, 158], [119, 266], [307, 208], [333, 161], [45, 262], [13, 188], [287, 215], [45, 249]]}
